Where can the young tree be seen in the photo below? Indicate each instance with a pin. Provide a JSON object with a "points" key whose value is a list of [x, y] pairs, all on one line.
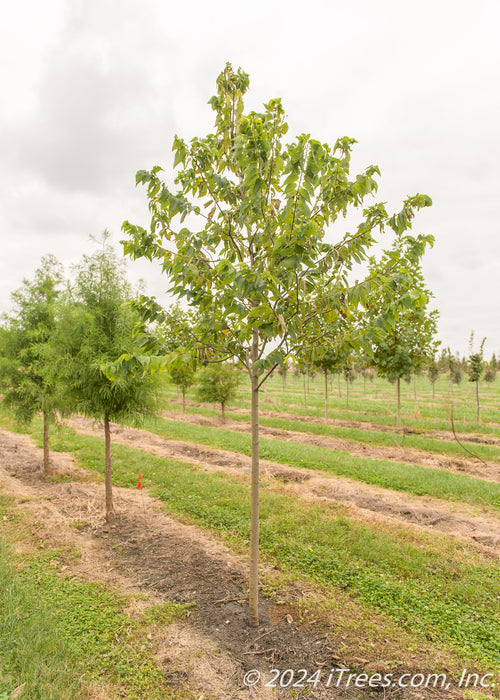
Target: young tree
{"points": [[331, 357], [443, 360], [218, 384], [27, 385], [408, 342], [182, 371], [489, 375], [95, 328], [490, 371], [330, 362], [283, 371], [433, 374], [454, 369], [364, 365], [349, 376], [257, 267], [475, 368]]}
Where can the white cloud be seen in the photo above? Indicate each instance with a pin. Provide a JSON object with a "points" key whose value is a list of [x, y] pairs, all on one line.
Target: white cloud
{"points": [[95, 91]]}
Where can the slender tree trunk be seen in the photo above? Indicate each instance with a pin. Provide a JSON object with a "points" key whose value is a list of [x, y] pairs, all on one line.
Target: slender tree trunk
{"points": [[433, 389], [415, 387], [338, 381], [108, 481], [254, 519], [46, 452], [364, 383], [223, 410], [326, 396], [477, 401], [398, 381], [347, 394], [305, 392], [183, 402]]}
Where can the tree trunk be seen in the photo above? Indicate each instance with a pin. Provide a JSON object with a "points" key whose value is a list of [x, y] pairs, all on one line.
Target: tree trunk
{"points": [[364, 383], [399, 402], [46, 453], [305, 392], [338, 380], [254, 518], [415, 387], [223, 410], [183, 402], [477, 401], [433, 389], [326, 396], [110, 513], [347, 394]]}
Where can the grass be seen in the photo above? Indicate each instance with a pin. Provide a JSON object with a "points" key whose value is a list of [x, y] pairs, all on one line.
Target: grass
{"points": [[428, 583], [58, 635], [365, 436], [378, 404], [410, 478]]}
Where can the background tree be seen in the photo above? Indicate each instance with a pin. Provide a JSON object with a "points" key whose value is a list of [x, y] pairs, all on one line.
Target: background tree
{"points": [[331, 356], [349, 376], [28, 387], [179, 362], [217, 383], [95, 328], [443, 360], [475, 368], [489, 375], [182, 371], [364, 365], [332, 353], [406, 339], [283, 371], [455, 373], [330, 362], [433, 374], [254, 262]]}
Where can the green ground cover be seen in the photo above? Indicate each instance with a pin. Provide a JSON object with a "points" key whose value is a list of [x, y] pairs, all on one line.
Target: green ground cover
{"points": [[411, 478], [428, 583], [58, 634], [378, 404], [427, 443]]}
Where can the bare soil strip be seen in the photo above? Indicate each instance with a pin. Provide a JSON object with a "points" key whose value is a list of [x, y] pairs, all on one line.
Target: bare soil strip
{"points": [[364, 501], [444, 435], [398, 453], [153, 558]]}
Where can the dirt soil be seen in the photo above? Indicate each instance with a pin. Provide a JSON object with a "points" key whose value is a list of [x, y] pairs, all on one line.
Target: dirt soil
{"points": [[398, 453], [151, 556], [364, 501]]}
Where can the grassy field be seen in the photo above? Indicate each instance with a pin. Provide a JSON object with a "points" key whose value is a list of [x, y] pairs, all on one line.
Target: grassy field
{"points": [[437, 586], [58, 635], [375, 402]]}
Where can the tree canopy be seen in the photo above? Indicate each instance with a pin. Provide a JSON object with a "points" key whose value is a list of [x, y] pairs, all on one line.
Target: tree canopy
{"points": [[243, 240], [95, 327], [406, 340], [28, 387]]}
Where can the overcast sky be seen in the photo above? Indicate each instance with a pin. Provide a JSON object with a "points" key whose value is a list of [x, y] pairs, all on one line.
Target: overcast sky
{"points": [[93, 90]]}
